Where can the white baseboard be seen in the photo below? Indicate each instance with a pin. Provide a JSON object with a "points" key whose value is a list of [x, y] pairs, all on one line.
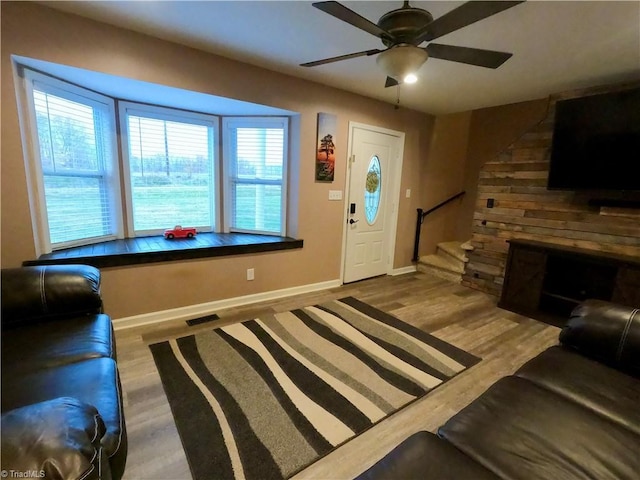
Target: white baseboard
{"points": [[403, 270], [202, 309]]}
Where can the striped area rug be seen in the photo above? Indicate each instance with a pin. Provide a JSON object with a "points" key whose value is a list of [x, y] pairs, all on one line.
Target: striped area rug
{"points": [[267, 397]]}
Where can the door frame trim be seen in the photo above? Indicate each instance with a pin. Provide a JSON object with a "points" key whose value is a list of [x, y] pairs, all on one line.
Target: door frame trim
{"points": [[393, 201]]}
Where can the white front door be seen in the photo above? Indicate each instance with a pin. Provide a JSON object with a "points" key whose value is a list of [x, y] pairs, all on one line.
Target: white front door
{"points": [[375, 164]]}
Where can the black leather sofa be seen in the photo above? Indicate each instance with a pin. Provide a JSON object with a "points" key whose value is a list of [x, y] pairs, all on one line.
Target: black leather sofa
{"points": [[572, 412], [62, 413]]}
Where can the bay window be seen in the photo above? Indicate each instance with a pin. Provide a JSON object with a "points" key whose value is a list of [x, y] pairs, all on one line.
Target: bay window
{"points": [[171, 162]]}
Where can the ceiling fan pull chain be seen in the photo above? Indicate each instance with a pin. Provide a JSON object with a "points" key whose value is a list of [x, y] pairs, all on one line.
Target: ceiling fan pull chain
{"points": [[397, 105]]}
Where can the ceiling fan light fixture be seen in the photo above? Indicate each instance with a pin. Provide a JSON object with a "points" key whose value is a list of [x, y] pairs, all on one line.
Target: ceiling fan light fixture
{"points": [[411, 78], [400, 61]]}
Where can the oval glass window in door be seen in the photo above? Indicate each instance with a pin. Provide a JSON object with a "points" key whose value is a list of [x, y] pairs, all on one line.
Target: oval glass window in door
{"points": [[373, 185]]}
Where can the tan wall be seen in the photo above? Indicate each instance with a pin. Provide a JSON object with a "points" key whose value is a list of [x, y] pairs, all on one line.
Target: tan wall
{"points": [[491, 130], [39, 32], [446, 160]]}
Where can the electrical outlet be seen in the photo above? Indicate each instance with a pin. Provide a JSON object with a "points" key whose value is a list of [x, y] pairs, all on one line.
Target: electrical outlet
{"points": [[250, 274]]}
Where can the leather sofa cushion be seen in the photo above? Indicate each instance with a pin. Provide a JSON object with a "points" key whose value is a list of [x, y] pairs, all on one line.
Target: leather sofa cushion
{"points": [[424, 455], [607, 391], [94, 381], [57, 343], [520, 430], [43, 293], [59, 439], [607, 332]]}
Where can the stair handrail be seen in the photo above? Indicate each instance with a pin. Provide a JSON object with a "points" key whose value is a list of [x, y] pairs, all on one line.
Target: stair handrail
{"points": [[420, 219]]}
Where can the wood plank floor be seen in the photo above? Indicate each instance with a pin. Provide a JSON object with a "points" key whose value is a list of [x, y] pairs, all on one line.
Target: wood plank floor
{"points": [[463, 317]]}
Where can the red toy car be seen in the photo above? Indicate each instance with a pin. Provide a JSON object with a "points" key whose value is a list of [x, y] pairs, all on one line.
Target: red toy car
{"points": [[180, 232]]}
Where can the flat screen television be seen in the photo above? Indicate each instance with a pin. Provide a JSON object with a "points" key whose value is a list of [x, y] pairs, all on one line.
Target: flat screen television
{"points": [[596, 145]]}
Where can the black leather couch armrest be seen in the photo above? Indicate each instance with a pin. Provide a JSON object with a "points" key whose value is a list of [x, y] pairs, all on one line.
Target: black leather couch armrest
{"points": [[59, 438], [606, 332], [423, 455], [33, 294]]}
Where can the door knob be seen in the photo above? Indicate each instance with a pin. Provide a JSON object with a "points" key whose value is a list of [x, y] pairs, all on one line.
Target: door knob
{"points": [[352, 221]]}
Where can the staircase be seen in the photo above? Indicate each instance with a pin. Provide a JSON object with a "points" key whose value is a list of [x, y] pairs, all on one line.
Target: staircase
{"points": [[448, 262]]}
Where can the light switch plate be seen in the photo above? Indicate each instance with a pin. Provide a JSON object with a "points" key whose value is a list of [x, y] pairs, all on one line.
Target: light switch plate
{"points": [[408, 193], [335, 194]]}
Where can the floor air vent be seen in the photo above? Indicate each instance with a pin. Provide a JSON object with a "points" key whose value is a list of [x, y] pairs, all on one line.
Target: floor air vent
{"points": [[198, 321]]}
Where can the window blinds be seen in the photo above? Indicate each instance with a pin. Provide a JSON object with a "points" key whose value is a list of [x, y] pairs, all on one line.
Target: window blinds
{"points": [[171, 171], [74, 146], [257, 175]]}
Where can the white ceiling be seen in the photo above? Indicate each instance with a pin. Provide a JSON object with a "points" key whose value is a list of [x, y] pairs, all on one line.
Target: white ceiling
{"points": [[556, 45]]}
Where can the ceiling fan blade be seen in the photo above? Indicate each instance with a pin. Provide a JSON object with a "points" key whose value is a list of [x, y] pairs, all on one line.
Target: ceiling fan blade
{"points": [[391, 82], [346, 15], [471, 56], [464, 15], [341, 57]]}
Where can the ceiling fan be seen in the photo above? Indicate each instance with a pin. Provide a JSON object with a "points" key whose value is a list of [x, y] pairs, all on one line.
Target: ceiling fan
{"points": [[404, 29]]}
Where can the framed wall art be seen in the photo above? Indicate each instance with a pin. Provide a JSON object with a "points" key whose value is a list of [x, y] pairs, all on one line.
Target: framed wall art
{"points": [[325, 148]]}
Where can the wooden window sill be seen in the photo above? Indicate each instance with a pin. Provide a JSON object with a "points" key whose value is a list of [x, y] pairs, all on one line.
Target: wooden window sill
{"points": [[142, 250]]}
